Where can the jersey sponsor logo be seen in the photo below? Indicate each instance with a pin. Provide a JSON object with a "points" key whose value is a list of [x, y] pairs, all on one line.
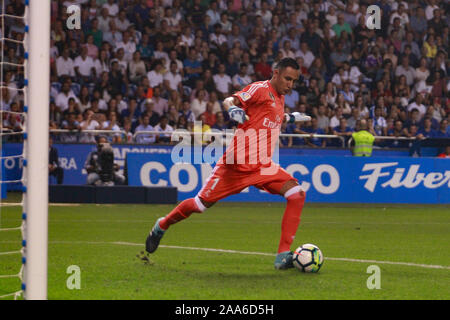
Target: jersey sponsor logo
{"points": [[271, 124], [245, 96]]}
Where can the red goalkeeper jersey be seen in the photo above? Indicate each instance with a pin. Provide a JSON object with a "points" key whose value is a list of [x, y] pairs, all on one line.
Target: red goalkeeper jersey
{"points": [[254, 141]]}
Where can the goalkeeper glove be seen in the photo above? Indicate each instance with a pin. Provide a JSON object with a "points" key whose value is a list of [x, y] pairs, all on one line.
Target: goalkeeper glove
{"points": [[237, 114], [296, 117]]}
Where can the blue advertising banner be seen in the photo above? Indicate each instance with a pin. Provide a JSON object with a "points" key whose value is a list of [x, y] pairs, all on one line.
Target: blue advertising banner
{"points": [[71, 158], [326, 175], [325, 179]]}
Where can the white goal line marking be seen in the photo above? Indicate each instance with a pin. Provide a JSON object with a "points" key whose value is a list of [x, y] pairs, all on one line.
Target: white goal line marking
{"points": [[409, 264]]}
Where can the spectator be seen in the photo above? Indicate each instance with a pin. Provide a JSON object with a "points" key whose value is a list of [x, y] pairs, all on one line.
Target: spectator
{"points": [[92, 49], [103, 20], [235, 36], [62, 100], [198, 105], [172, 79], [209, 115], [186, 112], [102, 63], [155, 76], [223, 82], [113, 36], [241, 79], [173, 116], [342, 130], [213, 13], [292, 99], [136, 68], [65, 65], [128, 45], [335, 120], [154, 116], [192, 66], [341, 25], [339, 56], [417, 105], [145, 138], [71, 124], [165, 130], [356, 116], [113, 8], [84, 67], [121, 21], [446, 153], [418, 23], [306, 54], [100, 165], [89, 123], [405, 69], [427, 131], [263, 70], [219, 123], [323, 121], [160, 104], [112, 124], [53, 165], [443, 131], [314, 128], [286, 50], [379, 122]]}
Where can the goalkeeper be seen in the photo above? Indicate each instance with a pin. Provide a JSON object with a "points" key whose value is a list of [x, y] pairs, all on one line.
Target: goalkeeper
{"points": [[259, 110]]}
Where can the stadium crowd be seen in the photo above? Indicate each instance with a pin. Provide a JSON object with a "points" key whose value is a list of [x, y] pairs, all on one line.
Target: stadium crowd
{"points": [[140, 65]]}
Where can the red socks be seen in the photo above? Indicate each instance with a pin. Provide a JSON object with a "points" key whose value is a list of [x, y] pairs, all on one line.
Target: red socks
{"points": [[181, 212], [291, 219]]}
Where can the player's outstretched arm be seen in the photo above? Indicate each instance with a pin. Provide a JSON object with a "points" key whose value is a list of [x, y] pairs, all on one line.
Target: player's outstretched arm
{"points": [[296, 117], [231, 105]]}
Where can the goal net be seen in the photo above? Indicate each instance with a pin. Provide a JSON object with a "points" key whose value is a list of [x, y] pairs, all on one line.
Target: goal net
{"points": [[24, 96]]}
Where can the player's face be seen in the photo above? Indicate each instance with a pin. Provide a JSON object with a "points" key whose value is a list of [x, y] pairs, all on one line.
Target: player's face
{"points": [[285, 79]]}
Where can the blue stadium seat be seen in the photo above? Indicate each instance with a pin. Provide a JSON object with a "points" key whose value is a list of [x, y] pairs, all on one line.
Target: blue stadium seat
{"points": [[57, 86], [187, 90], [76, 88], [132, 88], [91, 87]]}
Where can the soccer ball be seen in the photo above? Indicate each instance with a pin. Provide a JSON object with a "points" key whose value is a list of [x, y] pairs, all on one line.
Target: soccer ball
{"points": [[308, 258]]}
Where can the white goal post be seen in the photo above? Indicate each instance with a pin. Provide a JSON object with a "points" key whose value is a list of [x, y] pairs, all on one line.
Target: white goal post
{"points": [[37, 151]]}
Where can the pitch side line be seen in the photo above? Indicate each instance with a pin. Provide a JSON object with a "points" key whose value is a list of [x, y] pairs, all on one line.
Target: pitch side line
{"points": [[122, 243], [429, 266]]}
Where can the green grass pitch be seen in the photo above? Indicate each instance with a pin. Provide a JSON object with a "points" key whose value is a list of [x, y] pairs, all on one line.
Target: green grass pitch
{"points": [[104, 241]]}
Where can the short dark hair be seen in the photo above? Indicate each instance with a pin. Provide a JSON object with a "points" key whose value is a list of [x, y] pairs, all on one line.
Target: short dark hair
{"points": [[287, 62]]}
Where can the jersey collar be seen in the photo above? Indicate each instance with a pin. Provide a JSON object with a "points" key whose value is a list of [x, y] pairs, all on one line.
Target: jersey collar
{"points": [[272, 89]]}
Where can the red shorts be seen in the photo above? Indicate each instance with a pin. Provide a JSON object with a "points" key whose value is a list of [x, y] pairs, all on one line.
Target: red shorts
{"points": [[225, 181]]}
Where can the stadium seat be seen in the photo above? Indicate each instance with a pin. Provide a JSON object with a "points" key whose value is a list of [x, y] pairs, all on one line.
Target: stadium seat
{"points": [[76, 88]]}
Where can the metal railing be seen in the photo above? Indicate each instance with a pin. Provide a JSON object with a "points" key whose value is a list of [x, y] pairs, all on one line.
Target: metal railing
{"points": [[206, 135], [385, 138], [230, 134]]}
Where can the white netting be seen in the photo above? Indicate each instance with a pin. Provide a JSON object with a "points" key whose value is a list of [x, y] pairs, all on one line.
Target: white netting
{"points": [[13, 107]]}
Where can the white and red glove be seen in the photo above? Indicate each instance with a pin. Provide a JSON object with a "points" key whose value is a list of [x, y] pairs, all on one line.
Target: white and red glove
{"points": [[296, 117], [237, 114]]}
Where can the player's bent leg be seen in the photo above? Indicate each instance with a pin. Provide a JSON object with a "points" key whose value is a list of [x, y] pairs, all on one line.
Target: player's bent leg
{"points": [[295, 197], [181, 212]]}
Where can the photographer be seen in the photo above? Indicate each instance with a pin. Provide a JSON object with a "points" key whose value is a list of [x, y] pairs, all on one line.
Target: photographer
{"points": [[100, 165]]}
